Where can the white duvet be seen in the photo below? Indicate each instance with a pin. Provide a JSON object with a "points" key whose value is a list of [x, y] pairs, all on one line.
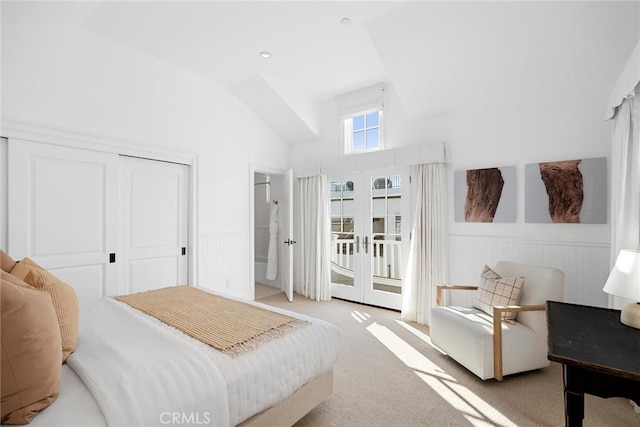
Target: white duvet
{"points": [[142, 372], [140, 375]]}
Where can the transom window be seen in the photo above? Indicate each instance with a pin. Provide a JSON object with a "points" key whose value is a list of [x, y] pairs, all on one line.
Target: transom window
{"points": [[363, 132]]}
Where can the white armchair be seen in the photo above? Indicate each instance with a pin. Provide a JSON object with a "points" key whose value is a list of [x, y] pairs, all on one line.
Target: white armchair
{"points": [[492, 349]]}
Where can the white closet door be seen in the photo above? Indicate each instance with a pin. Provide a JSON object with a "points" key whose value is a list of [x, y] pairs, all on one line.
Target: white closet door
{"points": [[63, 205], [154, 224]]}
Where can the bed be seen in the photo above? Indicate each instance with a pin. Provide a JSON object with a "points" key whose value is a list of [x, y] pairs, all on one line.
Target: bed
{"points": [[130, 368]]}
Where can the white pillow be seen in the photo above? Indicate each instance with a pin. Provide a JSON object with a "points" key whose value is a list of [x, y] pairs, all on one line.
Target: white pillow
{"points": [[495, 290]]}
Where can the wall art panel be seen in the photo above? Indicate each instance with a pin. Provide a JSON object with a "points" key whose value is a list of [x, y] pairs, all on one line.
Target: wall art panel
{"points": [[485, 195], [567, 191]]}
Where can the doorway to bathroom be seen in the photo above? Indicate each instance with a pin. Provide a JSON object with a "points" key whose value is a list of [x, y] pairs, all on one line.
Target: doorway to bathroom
{"points": [[271, 229]]}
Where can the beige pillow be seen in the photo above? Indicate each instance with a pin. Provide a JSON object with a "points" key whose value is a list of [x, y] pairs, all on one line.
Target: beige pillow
{"points": [[31, 356], [64, 300], [495, 290], [6, 262], [14, 280]]}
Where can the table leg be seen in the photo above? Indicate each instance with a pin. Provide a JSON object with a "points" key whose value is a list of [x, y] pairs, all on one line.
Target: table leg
{"points": [[574, 408], [573, 395]]}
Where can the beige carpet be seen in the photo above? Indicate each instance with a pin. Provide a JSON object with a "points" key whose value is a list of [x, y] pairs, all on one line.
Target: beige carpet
{"points": [[389, 375], [263, 291]]}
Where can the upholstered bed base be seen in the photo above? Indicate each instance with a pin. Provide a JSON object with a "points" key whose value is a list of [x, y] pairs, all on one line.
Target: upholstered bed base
{"points": [[296, 406]]}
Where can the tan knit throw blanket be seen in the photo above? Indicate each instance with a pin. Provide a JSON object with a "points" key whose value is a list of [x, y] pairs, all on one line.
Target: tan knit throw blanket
{"points": [[230, 326]]}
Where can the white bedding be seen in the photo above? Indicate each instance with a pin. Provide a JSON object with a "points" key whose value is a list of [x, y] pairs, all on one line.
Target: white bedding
{"points": [[230, 391]]}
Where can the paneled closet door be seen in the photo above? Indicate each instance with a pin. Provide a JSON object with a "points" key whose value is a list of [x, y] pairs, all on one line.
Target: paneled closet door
{"points": [[154, 224], [63, 213]]}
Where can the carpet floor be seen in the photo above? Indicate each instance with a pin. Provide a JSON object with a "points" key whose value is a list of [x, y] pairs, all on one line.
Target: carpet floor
{"points": [[389, 374]]}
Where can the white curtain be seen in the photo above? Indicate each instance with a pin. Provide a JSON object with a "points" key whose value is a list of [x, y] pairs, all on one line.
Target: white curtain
{"points": [[428, 254], [313, 277], [625, 179]]}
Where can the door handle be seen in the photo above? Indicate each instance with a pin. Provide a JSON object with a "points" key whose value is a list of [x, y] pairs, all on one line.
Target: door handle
{"points": [[365, 243], [289, 242], [357, 244]]}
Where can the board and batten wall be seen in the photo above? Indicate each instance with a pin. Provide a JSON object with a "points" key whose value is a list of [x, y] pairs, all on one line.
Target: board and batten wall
{"points": [[585, 264], [223, 260]]}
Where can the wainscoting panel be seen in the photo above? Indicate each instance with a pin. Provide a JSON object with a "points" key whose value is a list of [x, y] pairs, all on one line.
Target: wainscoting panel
{"points": [[585, 264], [224, 263]]}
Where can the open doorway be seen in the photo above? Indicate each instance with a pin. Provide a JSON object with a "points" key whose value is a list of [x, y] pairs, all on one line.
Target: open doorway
{"points": [[268, 220], [271, 198]]}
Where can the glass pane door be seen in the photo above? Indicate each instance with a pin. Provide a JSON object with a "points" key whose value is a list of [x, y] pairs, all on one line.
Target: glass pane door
{"points": [[385, 260], [346, 264], [369, 237]]}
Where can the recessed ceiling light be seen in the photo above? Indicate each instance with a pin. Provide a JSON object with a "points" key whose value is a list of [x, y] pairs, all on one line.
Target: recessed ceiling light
{"points": [[265, 55], [345, 21]]}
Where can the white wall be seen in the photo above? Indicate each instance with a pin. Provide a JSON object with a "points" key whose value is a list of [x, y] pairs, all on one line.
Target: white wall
{"points": [[540, 127], [520, 133], [74, 80]]}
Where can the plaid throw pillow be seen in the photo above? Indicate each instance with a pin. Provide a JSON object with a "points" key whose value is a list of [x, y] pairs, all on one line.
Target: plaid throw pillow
{"points": [[495, 290]]}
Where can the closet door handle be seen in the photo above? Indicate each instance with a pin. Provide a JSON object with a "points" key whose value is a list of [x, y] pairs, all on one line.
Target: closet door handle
{"points": [[112, 258]]}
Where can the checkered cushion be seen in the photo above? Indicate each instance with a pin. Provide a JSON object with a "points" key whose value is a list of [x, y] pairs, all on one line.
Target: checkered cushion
{"points": [[495, 290]]}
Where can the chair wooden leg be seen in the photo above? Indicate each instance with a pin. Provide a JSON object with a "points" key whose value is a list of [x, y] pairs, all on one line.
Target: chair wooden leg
{"points": [[497, 344]]}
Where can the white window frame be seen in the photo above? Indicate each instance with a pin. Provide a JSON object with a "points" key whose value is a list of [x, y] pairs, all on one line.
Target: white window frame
{"points": [[347, 133]]}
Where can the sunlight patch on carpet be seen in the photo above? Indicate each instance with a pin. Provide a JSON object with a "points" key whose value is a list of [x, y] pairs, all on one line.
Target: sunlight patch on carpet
{"points": [[360, 317], [473, 408], [418, 333]]}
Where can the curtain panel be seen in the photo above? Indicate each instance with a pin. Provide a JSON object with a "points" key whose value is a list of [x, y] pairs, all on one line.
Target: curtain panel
{"points": [[625, 180], [428, 254], [313, 273]]}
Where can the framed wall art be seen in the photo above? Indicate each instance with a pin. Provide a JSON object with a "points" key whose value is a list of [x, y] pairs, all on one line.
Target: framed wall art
{"points": [[485, 195], [567, 191]]}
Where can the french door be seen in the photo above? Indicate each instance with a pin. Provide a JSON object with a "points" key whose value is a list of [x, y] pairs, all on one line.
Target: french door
{"points": [[369, 236]]}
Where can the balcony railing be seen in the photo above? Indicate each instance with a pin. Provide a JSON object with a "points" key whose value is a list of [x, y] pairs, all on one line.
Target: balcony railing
{"points": [[386, 257]]}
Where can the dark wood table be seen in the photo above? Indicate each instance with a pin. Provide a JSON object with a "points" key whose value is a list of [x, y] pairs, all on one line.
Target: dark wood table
{"points": [[600, 355]]}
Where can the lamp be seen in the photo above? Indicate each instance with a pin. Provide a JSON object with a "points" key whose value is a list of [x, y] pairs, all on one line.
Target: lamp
{"points": [[624, 281]]}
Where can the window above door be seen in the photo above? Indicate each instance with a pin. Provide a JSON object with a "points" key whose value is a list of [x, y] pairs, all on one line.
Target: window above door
{"points": [[361, 115], [362, 133]]}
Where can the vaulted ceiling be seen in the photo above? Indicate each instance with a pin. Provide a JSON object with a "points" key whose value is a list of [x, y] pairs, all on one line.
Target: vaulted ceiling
{"points": [[437, 57]]}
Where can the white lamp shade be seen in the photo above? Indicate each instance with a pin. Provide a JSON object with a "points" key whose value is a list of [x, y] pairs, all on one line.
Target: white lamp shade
{"points": [[624, 280]]}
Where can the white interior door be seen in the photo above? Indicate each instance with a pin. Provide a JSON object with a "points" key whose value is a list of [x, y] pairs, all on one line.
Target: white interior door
{"points": [[370, 236], [154, 224], [63, 213], [287, 259]]}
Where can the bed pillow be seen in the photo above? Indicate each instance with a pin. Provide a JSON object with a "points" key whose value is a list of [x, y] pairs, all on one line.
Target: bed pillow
{"points": [[6, 262], [14, 280], [31, 356], [496, 290], [64, 300]]}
